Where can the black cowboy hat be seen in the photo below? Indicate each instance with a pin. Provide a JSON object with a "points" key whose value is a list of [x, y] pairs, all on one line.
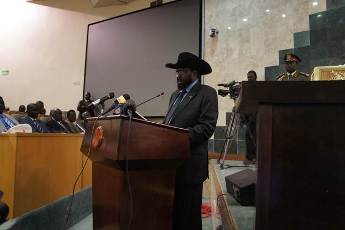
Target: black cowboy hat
{"points": [[189, 60]]}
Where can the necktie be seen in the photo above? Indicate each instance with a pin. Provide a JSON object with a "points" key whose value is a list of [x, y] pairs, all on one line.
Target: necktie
{"points": [[7, 122], [172, 110]]}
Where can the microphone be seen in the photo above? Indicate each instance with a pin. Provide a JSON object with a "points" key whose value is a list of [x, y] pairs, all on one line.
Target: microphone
{"points": [[161, 94], [122, 99], [118, 101], [227, 84], [129, 108], [102, 100]]}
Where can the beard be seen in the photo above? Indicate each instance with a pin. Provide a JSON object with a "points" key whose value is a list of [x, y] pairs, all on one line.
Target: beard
{"points": [[182, 83]]}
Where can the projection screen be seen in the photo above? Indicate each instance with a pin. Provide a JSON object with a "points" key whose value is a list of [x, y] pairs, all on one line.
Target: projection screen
{"points": [[127, 54]]}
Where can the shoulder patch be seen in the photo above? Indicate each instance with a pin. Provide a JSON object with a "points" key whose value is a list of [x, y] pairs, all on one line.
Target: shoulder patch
{"points": [[280, 76], [304, 74]]}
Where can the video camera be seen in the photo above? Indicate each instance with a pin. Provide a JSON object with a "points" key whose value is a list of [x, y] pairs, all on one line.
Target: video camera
{"points": [[233, 89]]}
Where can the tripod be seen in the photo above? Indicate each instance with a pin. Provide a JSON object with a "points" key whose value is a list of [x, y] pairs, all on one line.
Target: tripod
{"points": [[230, 137]]}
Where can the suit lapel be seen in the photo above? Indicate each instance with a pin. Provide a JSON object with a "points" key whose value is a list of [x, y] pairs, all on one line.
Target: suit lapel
{"points": [[192, 93], [173, 98]]}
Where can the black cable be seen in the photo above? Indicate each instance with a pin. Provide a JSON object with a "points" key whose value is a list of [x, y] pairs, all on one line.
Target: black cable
{"points": [[131, 202], [69, 208]]}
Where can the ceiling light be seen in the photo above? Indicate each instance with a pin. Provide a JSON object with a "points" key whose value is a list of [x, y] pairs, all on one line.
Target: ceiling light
{"points": [[315, 3], [229, 27], [283, 15], [268, 10], [245, 19]]}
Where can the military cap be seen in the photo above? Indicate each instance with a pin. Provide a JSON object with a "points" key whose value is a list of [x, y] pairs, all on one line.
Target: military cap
{"points": [[290, 57]]}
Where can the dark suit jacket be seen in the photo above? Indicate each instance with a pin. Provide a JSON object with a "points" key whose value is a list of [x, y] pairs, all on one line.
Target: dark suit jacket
{"points": [[55, 127], [198, 112], [29, 121]]}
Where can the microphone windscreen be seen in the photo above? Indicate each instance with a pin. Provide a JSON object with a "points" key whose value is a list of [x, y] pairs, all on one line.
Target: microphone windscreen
{"points": [[131, 103], [121, 100], [126, 96]]}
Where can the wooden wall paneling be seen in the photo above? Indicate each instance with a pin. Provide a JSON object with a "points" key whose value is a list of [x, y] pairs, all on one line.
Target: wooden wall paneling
{"points": [[8, 145], [47, 166]]}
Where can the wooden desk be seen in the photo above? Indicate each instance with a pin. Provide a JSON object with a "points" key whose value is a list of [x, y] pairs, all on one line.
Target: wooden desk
{"points": [[300, 153], [36, 169]]}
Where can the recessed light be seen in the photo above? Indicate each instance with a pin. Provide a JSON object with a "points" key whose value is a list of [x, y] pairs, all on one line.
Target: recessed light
{"points": [[315, 3], [229, 27], [245, 19], [283, 15], [268, 10]]}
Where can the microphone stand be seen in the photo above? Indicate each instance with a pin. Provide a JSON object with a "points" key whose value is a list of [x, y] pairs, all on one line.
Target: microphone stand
{"points": [[149, 99], [139, 115]]}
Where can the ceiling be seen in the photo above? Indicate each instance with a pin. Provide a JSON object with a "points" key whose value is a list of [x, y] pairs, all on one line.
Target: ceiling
{"points": [[96, 3]]}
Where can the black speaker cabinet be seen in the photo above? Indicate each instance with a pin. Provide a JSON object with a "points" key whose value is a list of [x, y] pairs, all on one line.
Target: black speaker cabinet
{"points": [[241, 186]]}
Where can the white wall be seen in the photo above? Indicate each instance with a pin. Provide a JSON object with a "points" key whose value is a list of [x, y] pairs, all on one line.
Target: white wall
{"points": [[43, 47], [252, 44]]}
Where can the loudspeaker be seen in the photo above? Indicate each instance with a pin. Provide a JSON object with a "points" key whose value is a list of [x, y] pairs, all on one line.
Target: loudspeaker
{"points": [[241, 186]]}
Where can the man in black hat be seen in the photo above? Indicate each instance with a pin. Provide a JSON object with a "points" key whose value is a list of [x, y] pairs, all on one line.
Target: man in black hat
{"points": [[292, 74], [194, 107]]}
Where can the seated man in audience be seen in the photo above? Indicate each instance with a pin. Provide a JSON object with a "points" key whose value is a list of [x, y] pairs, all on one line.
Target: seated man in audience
{"points": [[41, 109], [4, 210], [83, 106], [21, 113], [31, 119], [74, 127], [56, 124], [6, 121]]}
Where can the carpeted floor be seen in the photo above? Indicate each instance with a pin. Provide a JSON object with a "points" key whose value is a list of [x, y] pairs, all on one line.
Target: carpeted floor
{"points": [[86, 223]]}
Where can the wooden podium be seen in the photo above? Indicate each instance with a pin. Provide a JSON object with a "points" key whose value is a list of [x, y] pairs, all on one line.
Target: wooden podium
{"points": [[301, 153], [144, 152]]}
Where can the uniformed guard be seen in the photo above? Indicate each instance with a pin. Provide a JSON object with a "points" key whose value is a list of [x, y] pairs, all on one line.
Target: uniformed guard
{"points": [[292, 74]]}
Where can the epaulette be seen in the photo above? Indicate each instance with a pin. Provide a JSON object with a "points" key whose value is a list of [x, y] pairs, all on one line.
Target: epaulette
{"points": [[280, 76], [304, 74]]}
